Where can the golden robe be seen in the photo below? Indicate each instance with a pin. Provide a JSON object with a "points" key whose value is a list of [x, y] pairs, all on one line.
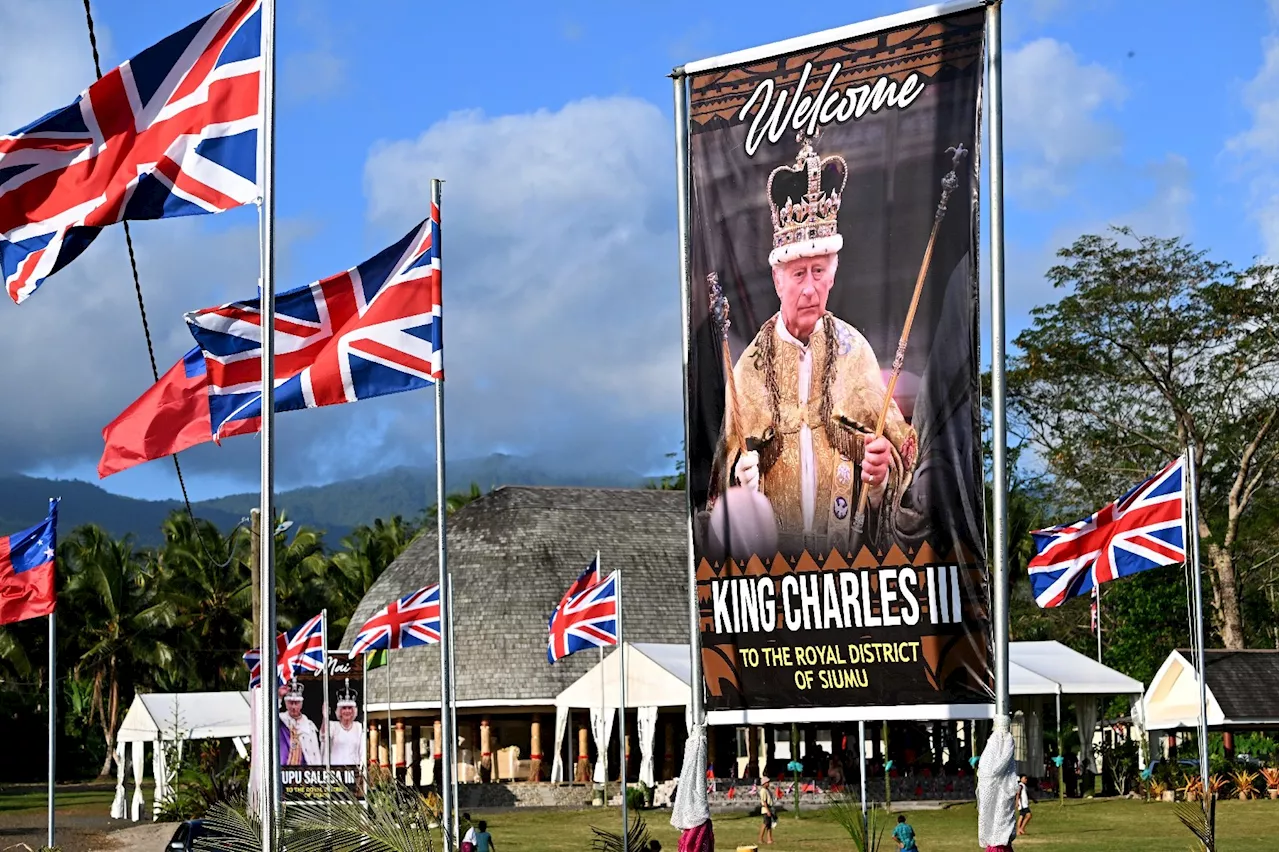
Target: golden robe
{"points": [[846, 391]]}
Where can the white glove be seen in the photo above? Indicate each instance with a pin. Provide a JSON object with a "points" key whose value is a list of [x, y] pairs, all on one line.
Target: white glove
{"points": [[747, 471]]}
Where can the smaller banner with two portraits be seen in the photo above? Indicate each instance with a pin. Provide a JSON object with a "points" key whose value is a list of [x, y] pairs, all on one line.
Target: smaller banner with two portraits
{"points": [[834, 404], [322, 738]]}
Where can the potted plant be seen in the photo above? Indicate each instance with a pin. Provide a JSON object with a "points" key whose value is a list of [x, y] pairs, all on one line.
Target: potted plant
{"points": [[1272, 776], [1244, 781], [1158, 790]]}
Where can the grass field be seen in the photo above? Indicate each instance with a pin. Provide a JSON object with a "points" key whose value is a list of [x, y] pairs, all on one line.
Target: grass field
{"points": [[1079, 826], [33, 798]]}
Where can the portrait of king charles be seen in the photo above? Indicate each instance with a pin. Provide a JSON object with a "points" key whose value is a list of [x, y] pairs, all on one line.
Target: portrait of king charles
{"points": [[798, 442]]}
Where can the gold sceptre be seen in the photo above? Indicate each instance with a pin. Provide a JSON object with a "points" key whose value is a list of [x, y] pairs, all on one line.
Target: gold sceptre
{"points": [[720, 317], [949, 184]]}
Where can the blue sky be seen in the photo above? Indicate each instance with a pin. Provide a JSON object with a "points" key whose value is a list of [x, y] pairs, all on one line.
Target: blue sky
{"points": [[552, 126]]}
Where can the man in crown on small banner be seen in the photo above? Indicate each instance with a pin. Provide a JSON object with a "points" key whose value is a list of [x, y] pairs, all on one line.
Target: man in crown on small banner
{"points": [[301, 746], [805, 396]]}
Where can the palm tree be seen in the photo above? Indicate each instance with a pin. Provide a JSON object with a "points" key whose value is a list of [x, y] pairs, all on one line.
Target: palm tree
{"points": [[452, 503], [365, 555], [205, 576], [302, 575], [118, 621]]}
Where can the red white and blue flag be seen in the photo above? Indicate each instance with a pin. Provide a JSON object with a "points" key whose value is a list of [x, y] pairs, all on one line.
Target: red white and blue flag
{"points": [[404, 623], [585, 619], [26, 570], [172, 132], [368, 331], [1140, 531], [300, 649]]}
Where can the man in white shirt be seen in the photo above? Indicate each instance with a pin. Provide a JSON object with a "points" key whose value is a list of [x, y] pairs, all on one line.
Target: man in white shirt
{"points": [[809, 388]]}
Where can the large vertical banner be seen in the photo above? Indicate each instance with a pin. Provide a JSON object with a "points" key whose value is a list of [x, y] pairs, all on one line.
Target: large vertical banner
{"points": [[838, 526], [310, 719]]}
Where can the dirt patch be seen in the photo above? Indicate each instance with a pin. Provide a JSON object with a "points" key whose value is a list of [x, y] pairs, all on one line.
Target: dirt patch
{"points": [[149, 837]]}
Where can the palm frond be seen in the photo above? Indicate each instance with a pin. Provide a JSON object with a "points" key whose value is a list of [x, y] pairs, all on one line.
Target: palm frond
{"points": [[846, 810], [1199, 821], [230, 827], [397, 819], [638, 837]]}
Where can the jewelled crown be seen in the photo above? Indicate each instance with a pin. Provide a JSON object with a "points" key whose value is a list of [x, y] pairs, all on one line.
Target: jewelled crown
{"points": [[804, 200], [294, 692], [346, 695]]}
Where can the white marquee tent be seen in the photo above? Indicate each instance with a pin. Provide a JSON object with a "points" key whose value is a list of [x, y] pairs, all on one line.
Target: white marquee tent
{"points": [[173, 718], [658, 676]]}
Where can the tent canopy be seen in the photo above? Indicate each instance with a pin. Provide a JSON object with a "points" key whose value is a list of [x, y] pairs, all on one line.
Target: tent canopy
{"points": [[1075, 673], [186, 716], [1240, 691], [657, 676]]}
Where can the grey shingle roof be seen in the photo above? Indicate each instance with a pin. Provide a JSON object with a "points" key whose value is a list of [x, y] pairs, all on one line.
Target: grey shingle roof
{"points": [[1245, 683], [512, 554]]}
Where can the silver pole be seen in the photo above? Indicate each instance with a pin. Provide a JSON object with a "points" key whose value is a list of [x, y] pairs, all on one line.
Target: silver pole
{"points": [[53, 720], [1097, 591], [391, 735], [697, 712], [324, 687], [604, 793], [448, 805], [622, 711], [1000, 543], [1193, 551], [267, 563], [862, 770], [453, 719]]}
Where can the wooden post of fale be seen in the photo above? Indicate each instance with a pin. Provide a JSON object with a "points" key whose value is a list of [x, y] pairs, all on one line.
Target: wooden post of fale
{"points": [[752, 769], [373, 745], [668, 751], [398, 755], [486, 758], [584, 755], [384, 750], [535, 748]]}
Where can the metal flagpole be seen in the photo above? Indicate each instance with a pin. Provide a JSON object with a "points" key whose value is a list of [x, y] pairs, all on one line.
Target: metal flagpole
{"points": [[697, 712], [270, 812], [1062, 781], [448, 804], [1097, 594], [604, 760], [622, 709], [862, 770], [324, 687], [1000, 540], [53, 720], [1193, 551], [453, 717], [391, 743]]}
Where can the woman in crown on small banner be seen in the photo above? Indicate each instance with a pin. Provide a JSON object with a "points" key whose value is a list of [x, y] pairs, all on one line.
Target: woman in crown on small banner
{"points": [[303, 739], [346, 738]]}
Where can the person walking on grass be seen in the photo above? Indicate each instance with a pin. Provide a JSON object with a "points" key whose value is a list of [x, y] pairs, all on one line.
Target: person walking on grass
{"points": [[484, 840], [766, 812], [905, 835], [1024, 806], [468, 839]]}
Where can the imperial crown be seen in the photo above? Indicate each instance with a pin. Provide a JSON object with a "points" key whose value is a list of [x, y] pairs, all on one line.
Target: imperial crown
{"points": [[804, 201], [347, 696], [294, 692]]}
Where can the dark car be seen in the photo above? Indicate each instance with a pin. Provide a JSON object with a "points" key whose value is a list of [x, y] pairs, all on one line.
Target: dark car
{"points": [[184, 837]]}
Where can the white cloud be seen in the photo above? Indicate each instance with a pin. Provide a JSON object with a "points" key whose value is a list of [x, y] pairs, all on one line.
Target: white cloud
{"points": [[50, 63], [1053, 109], [318, 71], [1255, 148], [561, 294]]}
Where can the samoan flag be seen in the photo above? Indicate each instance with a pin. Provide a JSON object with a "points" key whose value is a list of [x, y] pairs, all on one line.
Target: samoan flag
{"points": [[1140, 531], [26, 570]]}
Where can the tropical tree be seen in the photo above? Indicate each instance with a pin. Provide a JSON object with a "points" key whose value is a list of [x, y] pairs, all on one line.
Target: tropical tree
{"points": [[302, 574], [365, 554], [204, 575], [118, 620], [1152, 348], [453, 502]]}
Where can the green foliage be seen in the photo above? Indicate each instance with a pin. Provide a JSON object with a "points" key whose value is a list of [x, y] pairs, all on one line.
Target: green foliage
{"points": [[1121, 761], [1199, 820], [201, 780], [672, 481], [638, 837], [636, 798], [846, 809]]}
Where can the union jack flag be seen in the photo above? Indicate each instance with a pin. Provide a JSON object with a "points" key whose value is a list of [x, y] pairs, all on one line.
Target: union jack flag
{"points": [[171, 132], [300, 649], [588, 619], [412, 620], [1140, 531], [365, 332]]}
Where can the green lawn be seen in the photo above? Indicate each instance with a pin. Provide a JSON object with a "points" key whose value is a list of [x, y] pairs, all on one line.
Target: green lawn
{"points": [[1080, 826], [79, 801]]}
